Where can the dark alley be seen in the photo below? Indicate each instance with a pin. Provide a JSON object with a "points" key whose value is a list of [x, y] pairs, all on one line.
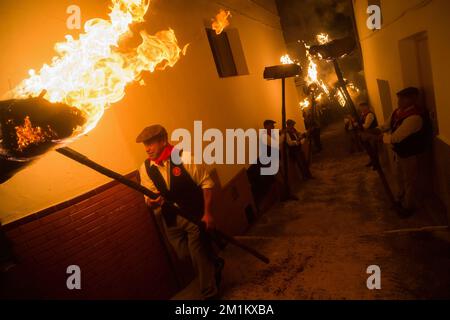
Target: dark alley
{"points": [[322, 245]]}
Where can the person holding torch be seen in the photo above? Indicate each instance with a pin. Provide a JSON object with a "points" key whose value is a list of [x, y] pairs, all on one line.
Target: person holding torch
{"points": [[189, 186]]}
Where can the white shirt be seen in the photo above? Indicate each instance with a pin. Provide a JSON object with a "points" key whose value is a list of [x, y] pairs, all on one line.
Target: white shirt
{"points": [[408, 127], [198, 173]]}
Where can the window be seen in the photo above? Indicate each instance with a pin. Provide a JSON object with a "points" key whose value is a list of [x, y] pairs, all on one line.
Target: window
{"points": [[227, 52], [223, 56]]}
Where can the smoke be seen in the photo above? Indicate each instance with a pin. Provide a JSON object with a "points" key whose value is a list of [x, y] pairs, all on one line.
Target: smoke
{"points": [[309, 17]]}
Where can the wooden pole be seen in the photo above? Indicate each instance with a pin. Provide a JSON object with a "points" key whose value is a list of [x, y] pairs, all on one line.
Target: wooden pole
{"points": [[379, 170], [287, 189], [344, 88]]}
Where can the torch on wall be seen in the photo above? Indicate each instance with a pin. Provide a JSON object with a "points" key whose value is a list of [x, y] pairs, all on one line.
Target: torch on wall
{"points": [[288, 69]]}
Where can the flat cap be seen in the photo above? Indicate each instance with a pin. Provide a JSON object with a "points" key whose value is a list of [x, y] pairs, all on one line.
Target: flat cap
{"points": [[410, 91], [290, 122], [269, 122], [154, 131]]}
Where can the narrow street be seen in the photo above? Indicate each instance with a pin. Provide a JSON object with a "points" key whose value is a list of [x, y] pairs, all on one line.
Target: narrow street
{"points": [[320, 247]]}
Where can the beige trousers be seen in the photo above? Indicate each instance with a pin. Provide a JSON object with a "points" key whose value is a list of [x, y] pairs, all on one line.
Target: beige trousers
{"points": [[407, 171], [189, 242]]}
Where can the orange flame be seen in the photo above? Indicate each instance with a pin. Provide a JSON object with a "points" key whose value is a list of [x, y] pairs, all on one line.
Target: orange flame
{"points": [[323, 38], [28, 135], [220, 22], [286, 59], [91, 73], [312, 76], [312, 71]]}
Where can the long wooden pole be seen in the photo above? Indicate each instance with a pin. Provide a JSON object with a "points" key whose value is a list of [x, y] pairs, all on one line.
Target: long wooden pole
{"points": [[343, 86], [80, 158], [379, 170], [287, 189]]}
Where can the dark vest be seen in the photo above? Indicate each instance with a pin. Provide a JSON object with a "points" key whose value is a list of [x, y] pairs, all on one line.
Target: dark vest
{"points": [[416, 143], [183, 191], [293, 150], [363, 118]]}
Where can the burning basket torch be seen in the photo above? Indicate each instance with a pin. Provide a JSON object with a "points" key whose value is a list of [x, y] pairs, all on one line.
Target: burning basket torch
{"points": [[333, 51]]}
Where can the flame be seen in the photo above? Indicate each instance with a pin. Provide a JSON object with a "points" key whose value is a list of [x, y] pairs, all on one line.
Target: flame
{"points": [[28, 135], [323, 38], [312, 76], [286, 59], [91, 73], [305, 104], [312, 71], [324, 88], [220, 22]]}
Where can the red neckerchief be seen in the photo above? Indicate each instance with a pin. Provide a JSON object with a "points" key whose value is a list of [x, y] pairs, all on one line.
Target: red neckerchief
{"points": [[165, 154], [400, 115]]}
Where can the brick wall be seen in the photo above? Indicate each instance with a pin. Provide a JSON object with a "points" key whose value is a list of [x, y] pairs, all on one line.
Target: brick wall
{"points": [[108, 232]]}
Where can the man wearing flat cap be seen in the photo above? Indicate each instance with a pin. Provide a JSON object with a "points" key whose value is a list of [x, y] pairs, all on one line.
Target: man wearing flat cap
{"points": [[408, 131], [189, 186]]}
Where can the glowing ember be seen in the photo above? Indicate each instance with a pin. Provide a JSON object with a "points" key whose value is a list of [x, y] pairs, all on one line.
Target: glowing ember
{"points": [[92, 72], [312, 76], [286, 59], [323, 38], [353, 89], [28, 135], [324, 87], [221, 21], [305, 104], [312, 71]]}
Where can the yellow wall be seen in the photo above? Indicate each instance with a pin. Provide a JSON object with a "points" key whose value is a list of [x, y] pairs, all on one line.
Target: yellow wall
{"points": [[174, 97], [383, 58], [402, 19]]}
